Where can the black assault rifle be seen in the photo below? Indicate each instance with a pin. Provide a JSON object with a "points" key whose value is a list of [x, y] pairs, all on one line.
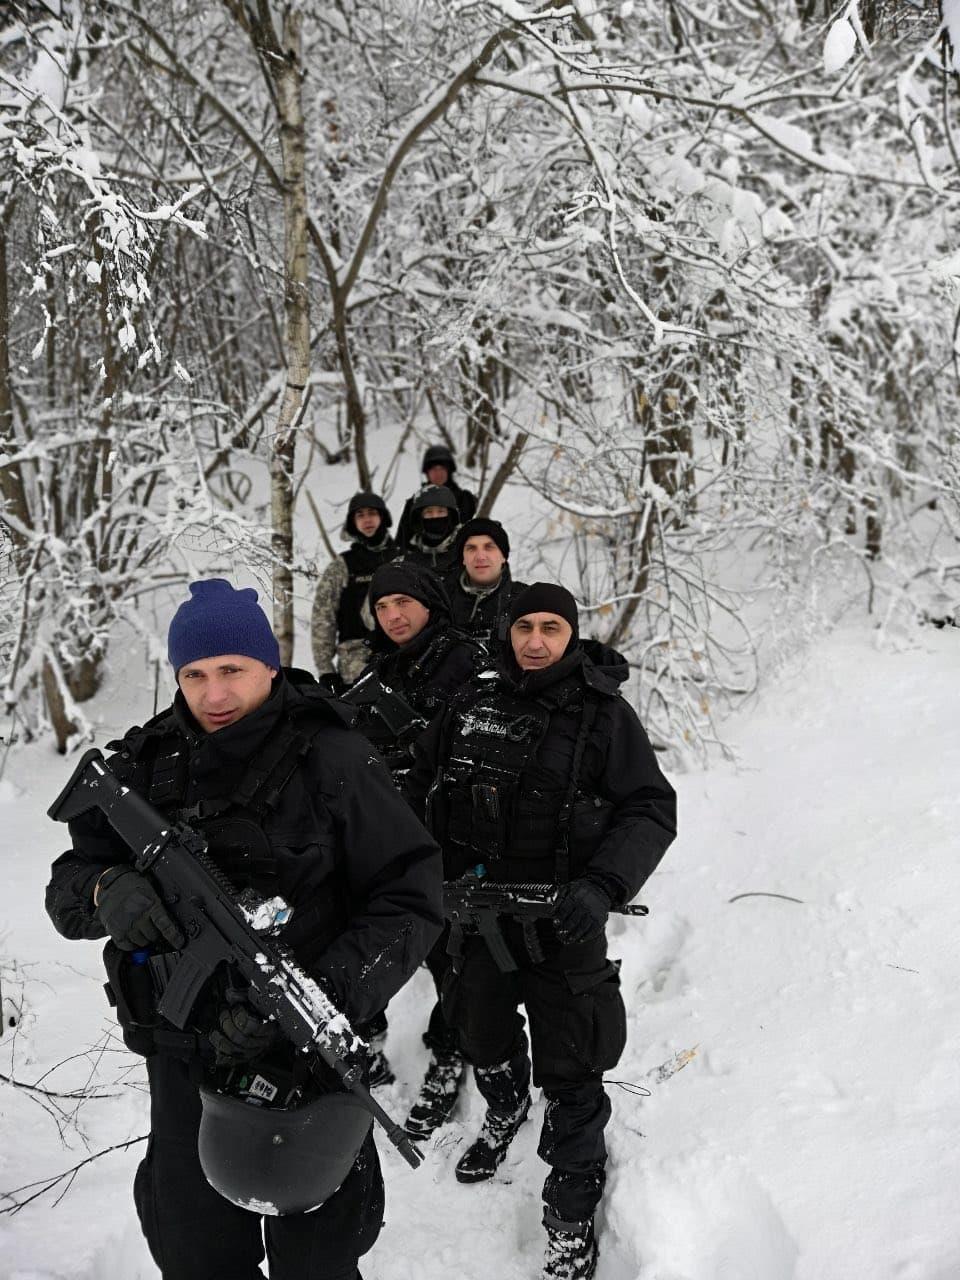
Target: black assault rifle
{"points": [[223, 927], [400, 719], [474, 903]]}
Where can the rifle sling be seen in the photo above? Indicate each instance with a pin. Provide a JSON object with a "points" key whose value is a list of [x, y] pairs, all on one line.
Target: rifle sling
{"points": [[591, 708]]}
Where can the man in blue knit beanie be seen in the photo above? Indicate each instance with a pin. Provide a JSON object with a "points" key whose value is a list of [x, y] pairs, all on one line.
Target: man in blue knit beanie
{"points": [[292, 802], [223, 653]]}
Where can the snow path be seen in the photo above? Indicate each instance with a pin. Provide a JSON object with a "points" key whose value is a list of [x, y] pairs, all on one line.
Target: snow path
{"points": [[811, 1137]]}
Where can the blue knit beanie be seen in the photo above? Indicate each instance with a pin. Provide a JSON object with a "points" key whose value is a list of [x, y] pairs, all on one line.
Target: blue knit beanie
{"points": [[218, 619]]}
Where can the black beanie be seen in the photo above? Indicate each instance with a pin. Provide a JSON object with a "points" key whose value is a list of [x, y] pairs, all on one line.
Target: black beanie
{"points": [[399, 578], [492, 528], [546, 597]]}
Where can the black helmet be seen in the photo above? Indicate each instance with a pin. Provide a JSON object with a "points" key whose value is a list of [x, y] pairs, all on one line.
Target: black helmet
{"points": [[435, 495], [279, 1160], [438, 455], [365, 499]]}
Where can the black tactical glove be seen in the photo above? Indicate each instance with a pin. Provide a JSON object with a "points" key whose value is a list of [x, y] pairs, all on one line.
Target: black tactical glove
{"points": [[243, 1035], [130, 910], [333, 682], [582, 910]]}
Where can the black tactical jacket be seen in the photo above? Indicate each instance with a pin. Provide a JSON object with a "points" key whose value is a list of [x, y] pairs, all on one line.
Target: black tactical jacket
{"points": [[466, 508], [341, 846], [545, 776], [479, 613], [403, 688]]}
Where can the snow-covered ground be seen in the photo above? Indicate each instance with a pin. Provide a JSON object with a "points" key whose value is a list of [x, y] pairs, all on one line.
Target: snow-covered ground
{"points": [[813, 1131]]}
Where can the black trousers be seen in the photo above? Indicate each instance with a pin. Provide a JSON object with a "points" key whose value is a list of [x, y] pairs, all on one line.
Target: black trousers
{"points": [[195, 1234], [577, 1025]]}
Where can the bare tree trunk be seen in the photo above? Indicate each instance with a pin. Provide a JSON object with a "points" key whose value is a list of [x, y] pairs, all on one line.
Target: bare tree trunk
{"points": [[641, 578], [287, 73], [503, 473], [63, 726], [12, 492]]}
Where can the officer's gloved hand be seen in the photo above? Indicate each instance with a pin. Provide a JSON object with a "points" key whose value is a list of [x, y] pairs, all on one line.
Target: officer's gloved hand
{"points": [[582, 910], [333, 682], [241, 1034], [130, 910]]}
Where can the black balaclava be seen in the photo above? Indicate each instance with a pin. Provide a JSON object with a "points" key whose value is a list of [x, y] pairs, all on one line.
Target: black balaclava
{"points": [[437, 528]]}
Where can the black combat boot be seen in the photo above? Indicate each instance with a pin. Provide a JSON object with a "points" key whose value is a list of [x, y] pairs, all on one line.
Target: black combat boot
{"points": [[505, 1088], [438, 1094], [571, 1249]]}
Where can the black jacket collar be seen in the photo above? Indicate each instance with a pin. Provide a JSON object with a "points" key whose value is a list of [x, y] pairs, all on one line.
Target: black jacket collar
{"points": [[579, 667]]}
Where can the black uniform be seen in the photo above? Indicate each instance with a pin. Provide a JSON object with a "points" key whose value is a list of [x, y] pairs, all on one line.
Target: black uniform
{"points": [[544, 777], [396, 698], [403, 688], [437, 547], [466, 501], [293, 803], [482, 612]]}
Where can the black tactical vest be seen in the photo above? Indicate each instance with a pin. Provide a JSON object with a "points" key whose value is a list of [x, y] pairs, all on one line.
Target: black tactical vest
{"points": [[510, 793], [361, 561], [233, 824], [398, 697], [155, 761]]}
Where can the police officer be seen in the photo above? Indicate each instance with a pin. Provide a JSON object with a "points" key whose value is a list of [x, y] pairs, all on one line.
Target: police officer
{"points": [[438, 468], [434, 523], [291, 802], [480, 584], [420, 660], [338, 629], [545, 775], [421, 664]]}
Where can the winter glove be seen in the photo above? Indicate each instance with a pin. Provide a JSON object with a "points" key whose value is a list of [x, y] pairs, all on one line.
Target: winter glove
{"points": [[582, 910], [242, 1035], [332, 681], [131, 911]]}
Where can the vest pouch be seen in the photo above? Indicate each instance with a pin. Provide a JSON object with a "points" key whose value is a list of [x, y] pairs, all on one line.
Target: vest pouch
{"points": [[130, 990], [589, 823], [479, 815], [536, 830], [242, 851]]}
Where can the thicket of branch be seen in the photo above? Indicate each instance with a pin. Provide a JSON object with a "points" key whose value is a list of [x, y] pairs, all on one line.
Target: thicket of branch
{"points": [[689, 271]]}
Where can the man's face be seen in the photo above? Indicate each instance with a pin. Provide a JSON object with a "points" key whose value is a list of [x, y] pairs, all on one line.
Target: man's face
{"points": [[483, 560], [434, 513], [220, 691], [438, 473], [401, 617], [539, 640], [367, 520]]}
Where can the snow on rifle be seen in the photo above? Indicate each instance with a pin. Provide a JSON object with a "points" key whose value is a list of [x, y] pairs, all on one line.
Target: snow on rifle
{"points": [[223, 927]]}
